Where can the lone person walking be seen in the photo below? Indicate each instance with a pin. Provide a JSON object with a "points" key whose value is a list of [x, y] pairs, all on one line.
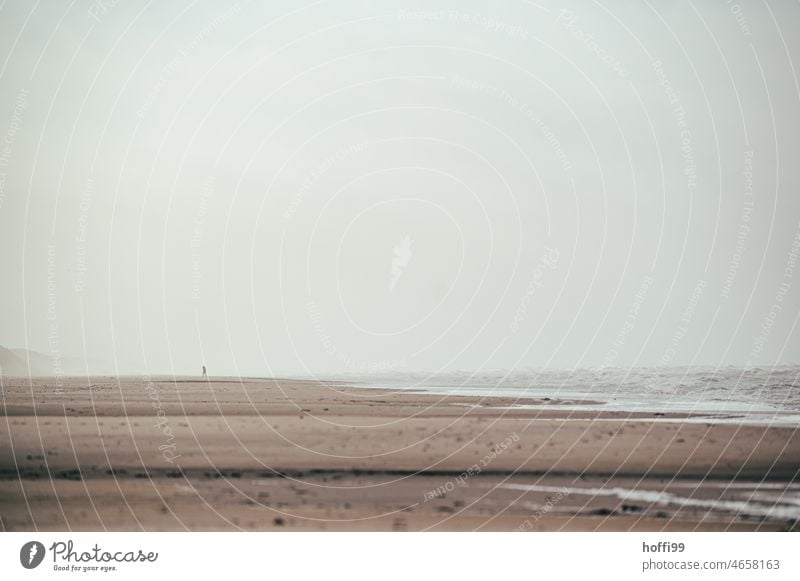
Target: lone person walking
{"points": [[205, 375]]}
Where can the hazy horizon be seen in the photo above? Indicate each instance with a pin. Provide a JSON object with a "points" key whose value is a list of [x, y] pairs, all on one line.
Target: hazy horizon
{"points": [[342, 187]]}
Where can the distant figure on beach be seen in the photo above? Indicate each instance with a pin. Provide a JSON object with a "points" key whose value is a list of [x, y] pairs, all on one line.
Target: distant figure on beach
{"points": [[205, 375]]}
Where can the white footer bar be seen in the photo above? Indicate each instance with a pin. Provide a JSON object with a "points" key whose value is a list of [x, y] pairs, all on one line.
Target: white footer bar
{"points": [[389, 556]]}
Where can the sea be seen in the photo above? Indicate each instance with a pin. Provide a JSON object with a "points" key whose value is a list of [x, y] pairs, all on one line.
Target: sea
{"points": [[753, 395]]}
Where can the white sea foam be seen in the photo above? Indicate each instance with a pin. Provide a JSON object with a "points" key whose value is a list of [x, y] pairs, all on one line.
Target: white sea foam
{"points": [[774, 507]]}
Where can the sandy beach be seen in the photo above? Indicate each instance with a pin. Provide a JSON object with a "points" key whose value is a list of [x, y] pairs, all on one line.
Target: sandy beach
{"points": [[174, 454]]}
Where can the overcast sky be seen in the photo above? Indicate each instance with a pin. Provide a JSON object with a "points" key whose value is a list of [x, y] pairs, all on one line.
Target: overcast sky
{"points": [[314, 187]]}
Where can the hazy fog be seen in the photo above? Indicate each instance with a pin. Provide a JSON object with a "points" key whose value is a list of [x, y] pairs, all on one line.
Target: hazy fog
{"points": [[327, 186]]}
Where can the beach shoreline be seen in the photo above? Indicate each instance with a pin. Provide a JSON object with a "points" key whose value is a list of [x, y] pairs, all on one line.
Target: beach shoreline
{"points": [[163, 453]]}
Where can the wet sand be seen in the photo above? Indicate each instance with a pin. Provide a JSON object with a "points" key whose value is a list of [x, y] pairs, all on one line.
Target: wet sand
{"points": [[179, 454]]}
